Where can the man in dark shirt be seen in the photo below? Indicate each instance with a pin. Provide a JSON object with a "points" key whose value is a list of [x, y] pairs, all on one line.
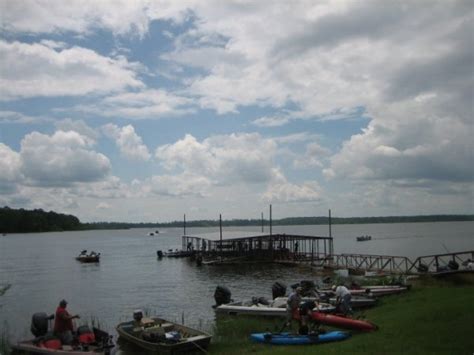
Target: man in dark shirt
{"points": [[63, 326]]}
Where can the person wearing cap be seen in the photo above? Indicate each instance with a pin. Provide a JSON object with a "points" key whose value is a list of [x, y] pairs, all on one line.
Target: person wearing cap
{"points": [[343, 298], [293, 304], [63, 326]]}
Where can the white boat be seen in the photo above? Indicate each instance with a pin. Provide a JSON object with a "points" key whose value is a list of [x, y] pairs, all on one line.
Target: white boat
{"points": [[374, 291], [275, 308]]}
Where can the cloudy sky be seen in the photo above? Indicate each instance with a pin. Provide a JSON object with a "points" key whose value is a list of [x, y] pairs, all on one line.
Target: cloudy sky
{"points": [[148, 110]]}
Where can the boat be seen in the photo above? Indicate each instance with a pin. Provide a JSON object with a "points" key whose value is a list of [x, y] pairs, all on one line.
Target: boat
{"points": [[356, 301], [364, 238], [179, 253], [296, 339], [261, 307], [374, 291], [162, 336], [93, 257], [343, 322], [87, 341]]}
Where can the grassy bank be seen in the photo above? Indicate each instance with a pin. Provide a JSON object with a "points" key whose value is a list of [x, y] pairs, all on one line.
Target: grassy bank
{"points": [[432, 318]]}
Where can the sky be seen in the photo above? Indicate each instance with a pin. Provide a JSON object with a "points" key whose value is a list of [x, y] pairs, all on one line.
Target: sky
{"points": [[143, 111]]}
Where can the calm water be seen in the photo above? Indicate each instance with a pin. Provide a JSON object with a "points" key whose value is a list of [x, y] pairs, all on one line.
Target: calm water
{"points": [[42, 270]]}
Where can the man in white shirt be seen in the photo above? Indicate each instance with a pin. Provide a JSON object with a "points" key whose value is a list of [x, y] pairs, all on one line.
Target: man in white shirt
{"points": [[343, 299]]}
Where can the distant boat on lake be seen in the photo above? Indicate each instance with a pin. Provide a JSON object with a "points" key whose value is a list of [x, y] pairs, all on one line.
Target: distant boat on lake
{"points": [[92, 257], [364, 238]]}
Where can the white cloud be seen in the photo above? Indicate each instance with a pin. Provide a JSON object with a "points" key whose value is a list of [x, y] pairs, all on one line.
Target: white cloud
{"points": [[61, 159], [288, 192], [38, 70], [118, 16], [10, 163], [146, 104], [226, 159], [80, 127], [128, 141], [314, 156], [18, 117], [181, 185]]}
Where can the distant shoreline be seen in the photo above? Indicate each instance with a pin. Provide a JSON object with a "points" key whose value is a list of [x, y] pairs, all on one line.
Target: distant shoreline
{"points": [[24, 221]]}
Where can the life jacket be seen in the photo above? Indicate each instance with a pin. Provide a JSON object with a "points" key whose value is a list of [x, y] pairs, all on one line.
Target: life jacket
{"points": [[86, 338]]}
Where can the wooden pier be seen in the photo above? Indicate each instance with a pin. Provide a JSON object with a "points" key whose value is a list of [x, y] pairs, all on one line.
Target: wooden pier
{"points": [[314, 251]]}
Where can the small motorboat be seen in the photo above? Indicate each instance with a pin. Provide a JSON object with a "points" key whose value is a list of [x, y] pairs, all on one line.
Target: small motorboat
{"points": [[162, 336], [374, 291], [92, 257], [297, 339], [259, 306], [364, 238], [179, 253], [87, 341]]}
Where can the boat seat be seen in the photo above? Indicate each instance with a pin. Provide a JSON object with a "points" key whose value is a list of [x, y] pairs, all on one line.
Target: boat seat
{"points": [[196, 338]]}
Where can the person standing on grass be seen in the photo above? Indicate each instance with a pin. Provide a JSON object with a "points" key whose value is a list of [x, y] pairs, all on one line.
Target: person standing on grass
{"points": [[293, 305], [343, 299]]}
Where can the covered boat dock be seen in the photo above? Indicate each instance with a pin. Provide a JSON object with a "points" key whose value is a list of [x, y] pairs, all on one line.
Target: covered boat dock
{"points": [[212, 248]]}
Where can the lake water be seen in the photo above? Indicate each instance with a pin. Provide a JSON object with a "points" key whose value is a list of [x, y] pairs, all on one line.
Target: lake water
{"points": [[42, 270]]}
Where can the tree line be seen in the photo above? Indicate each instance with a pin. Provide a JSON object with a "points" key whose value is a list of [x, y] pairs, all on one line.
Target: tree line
{"points": [[24, 221]]}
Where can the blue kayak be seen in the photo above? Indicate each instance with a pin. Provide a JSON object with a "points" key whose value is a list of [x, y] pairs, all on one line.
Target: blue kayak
{"points": [[295, 339]]}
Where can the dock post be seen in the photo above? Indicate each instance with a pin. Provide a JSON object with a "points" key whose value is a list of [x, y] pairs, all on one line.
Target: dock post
{"points": [[220, 232]]}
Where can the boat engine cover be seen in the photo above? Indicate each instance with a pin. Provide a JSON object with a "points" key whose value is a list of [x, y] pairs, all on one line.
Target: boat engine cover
{"points": [[222, 295], [39, 324]]}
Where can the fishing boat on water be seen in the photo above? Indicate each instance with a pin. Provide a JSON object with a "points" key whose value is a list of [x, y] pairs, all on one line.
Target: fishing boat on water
{"points": [[86, 341], [162, 336], [364, 238], [92, 257]]}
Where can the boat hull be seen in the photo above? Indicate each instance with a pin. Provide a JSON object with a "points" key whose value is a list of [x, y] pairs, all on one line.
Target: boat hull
{"points": [[247, 309], [29, 347], [192, 340], [343, 322], [88, 259]]}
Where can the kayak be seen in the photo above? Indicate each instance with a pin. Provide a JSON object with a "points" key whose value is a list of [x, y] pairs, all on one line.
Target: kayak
{"points": [[295, 339], [343, 322]]}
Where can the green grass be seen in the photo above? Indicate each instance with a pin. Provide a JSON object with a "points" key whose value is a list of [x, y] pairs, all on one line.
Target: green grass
{"points": [[431, 318]]}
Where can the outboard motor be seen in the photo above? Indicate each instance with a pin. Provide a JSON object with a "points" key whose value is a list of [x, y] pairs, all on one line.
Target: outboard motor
{"points": [[453, 265], [278, 290], [222, 295], [137, 315], [39, 324], [159, 253], [422, 268], [308, 287]]}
